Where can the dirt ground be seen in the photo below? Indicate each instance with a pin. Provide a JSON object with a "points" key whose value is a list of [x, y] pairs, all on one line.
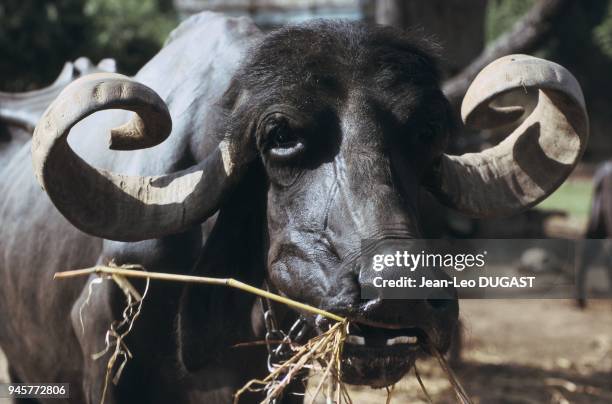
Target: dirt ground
{"points": [[521, 351], [527, 351]]}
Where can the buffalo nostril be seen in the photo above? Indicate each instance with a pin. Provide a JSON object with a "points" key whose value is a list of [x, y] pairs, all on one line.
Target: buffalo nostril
{"points": [[369, 292], [440, 304]]}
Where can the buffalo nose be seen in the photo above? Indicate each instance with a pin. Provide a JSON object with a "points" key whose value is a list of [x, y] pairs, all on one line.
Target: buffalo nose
{"points": [[441, 304], [437, 313], [442, 299], [380, 308], [410, 304]]}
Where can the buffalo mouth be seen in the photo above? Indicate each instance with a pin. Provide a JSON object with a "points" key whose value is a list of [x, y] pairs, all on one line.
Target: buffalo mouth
{"points": [[379, 357]]}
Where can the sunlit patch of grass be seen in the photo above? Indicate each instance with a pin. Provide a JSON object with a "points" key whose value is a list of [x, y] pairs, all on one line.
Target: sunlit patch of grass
{"points": [[573, 197]]}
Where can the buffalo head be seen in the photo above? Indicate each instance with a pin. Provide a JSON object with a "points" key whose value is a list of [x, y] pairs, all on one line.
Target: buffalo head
{"points": [[349, 124]]}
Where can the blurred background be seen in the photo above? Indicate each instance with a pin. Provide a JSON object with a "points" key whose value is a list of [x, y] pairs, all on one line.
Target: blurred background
{"points": [[38, 36], [513, 351]]}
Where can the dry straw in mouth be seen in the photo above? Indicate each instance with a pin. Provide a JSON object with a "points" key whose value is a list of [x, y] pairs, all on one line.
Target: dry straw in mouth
{"points": [[141, 273], [321, 354]]}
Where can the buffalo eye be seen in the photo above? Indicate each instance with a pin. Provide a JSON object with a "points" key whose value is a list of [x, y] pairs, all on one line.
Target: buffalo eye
{"points": [[281, 136], [282, 141]]}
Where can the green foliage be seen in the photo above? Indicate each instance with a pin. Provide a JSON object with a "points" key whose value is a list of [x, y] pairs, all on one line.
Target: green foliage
{"points": [[590, 22], [502, 14], [132, 29], [38, 36], [574, 197], [602, 33]]}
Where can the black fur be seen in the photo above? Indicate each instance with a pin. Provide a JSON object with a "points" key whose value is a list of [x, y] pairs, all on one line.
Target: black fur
{"points": [[363, 101]]}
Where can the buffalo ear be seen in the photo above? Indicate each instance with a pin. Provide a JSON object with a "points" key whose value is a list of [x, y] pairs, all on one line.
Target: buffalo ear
{"points": [[214, 318]]}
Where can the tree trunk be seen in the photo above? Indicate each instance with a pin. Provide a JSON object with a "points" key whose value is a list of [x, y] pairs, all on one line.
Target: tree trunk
{"points": [[390, 12], [525, 36], [457, 25]]}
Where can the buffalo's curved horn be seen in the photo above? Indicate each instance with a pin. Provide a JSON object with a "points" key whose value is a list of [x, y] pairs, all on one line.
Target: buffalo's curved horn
{"points": [[115, 206], [535, 158]]}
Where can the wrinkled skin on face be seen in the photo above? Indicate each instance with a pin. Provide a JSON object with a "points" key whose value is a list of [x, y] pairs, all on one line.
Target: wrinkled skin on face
{"points": [[347, 122], [322, 138]]}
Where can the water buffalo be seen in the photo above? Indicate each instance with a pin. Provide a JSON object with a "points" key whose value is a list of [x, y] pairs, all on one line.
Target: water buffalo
{"points": [[19, 112], [284, 151], [599, 226]]}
